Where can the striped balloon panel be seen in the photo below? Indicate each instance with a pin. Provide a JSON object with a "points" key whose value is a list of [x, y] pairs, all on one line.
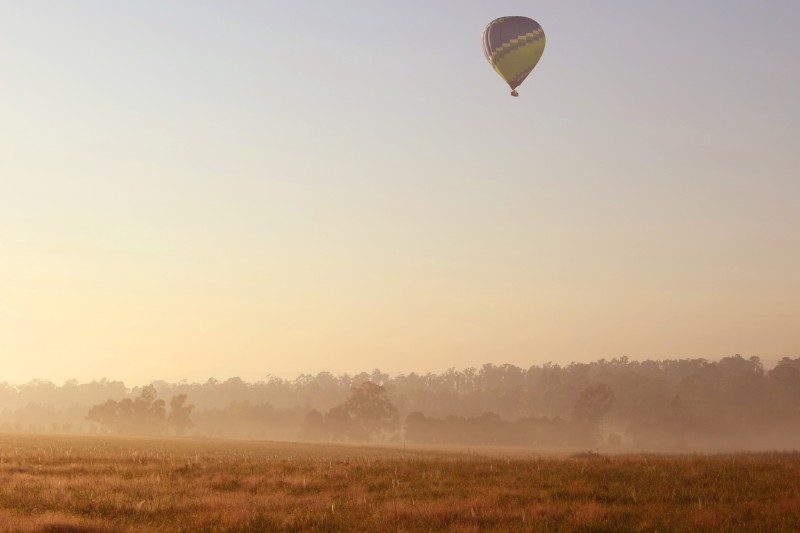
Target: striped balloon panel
{"points": [[513, 45]]}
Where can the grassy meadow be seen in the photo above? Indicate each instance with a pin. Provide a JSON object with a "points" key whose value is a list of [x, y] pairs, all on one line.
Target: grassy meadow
{"points": [[98, 484]]}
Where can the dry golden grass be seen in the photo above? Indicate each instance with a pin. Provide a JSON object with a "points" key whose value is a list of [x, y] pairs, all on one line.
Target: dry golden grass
{"points": [[71, 484]]}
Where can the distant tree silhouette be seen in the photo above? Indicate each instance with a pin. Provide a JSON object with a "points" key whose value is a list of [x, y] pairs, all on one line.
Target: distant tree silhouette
{"points": [[313, 427], [339, 424], [149, 412], [592, 405], [371, 410], [106, 414], [366, 413], [143, 415], [418, 428], [179, 414]]}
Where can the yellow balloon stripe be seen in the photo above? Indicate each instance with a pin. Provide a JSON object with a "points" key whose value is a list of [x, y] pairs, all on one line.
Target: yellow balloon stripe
{"points": [[513, 63]]}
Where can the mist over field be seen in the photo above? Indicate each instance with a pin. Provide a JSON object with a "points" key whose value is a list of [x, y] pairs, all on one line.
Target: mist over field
{"points": [[733, 404]]}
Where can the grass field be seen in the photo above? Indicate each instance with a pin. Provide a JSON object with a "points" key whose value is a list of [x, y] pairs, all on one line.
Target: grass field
{"points": [[70, 484]]}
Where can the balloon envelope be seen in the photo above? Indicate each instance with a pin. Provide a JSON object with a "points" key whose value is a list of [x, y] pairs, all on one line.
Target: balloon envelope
{"points": [[513, 46]]}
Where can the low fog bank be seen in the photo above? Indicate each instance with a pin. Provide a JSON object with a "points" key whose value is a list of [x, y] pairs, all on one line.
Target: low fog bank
{"points": [[734, 404]]}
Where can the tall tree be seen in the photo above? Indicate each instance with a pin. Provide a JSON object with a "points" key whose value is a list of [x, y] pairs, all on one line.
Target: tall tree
{"points": [[592, 405], [366, 412], [180, 414]]}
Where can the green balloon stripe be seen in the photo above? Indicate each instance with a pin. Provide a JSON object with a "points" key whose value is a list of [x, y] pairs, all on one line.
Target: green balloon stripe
{"points": [[513, 46]]}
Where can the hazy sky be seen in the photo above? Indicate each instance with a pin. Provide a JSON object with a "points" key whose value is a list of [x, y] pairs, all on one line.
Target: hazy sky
{"points": [[196, 189]]}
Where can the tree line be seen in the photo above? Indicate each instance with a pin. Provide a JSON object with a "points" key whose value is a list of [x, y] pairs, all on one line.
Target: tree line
{"points": [[667, 404], [145, 414]]}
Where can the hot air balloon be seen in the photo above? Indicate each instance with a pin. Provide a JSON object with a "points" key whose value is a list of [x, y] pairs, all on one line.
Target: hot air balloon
{"points": [[513, 46]]}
